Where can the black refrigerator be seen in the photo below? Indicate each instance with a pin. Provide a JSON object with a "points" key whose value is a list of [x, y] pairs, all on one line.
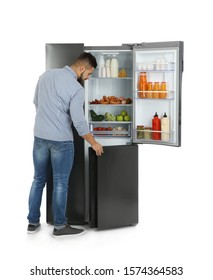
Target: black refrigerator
{"points": [[140, 104]]}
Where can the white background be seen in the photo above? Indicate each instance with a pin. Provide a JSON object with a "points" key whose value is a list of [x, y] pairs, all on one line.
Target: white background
{"points": [[175, 184]]}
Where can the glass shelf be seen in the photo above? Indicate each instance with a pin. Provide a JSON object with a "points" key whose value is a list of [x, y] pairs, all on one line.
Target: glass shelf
{"points": [[119, 105], [111, 78], [110, 122], [156, 71]]}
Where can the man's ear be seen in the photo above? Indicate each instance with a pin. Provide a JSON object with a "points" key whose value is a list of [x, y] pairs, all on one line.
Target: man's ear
{"points": [[82, 68]]}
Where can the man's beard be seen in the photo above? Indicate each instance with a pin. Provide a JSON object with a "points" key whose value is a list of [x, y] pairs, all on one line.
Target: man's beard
{"points": [[81, 80]]}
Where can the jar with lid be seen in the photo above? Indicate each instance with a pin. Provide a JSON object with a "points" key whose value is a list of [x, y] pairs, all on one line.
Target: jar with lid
{"points": [[140, 131], [156, 90], [163, 91], [149, 93], [142, 85], [147, 133]]}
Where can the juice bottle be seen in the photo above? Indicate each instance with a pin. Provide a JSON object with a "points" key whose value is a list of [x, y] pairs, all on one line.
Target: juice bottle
{"points": [[165, 128], [163, 92], [156, 90], [156, 126]]}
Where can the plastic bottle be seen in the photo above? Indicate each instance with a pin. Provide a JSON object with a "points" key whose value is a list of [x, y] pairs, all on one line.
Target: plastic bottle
{"points": [[101, 64], [156, 125], [103, 72], [165, 128], [108, 72], [114, 67]]}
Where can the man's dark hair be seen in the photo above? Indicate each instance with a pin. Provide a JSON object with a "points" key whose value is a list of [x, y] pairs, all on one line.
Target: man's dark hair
{"points": [[88, 58]]}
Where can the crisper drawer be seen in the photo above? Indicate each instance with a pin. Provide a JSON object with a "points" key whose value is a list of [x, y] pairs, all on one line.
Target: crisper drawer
{"points": [[111, 129]]}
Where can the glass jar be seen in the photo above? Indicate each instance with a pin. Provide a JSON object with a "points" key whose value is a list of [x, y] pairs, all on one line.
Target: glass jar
{"points": [[140, 132], [147, 133], [163, 91], [156, 90], [142, 85], [149, 93]]}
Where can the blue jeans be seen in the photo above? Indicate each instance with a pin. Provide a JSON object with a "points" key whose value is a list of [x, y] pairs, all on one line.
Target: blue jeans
{"points": [[60, 154]]}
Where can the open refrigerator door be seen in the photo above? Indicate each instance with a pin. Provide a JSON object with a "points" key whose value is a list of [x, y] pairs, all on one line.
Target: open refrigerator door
{"points": [[157, 75]]}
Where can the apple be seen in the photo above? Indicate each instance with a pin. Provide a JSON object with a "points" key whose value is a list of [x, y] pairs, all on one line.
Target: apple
{"points": [[123, 113], [119, 118], [127, 118]]}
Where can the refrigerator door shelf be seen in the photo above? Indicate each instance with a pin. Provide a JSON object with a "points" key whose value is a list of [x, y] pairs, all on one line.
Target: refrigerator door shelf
{"points": [[145, 136], [145, 94]]}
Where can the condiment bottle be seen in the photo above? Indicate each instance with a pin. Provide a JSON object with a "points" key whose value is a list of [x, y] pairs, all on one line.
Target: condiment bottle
{"points": [[165, 128], [114, 67], [101, 64], [156, 126], [163, 92]]}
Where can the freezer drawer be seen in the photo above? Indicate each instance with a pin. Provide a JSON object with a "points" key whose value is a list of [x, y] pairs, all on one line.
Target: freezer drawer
{"points": [[113, 187]]}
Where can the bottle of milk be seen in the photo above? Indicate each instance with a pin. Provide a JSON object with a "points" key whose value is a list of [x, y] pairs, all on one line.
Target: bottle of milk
{"points": [[101, 64], [108, 62], [114, 67], [165, 128]]}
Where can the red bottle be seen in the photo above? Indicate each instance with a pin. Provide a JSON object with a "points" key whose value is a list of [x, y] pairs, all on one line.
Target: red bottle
{"points": [[156, 127]]}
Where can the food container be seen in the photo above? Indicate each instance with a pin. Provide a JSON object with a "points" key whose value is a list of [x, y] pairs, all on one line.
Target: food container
{"points": [[147, 133], [163, 90], [140, 132]]}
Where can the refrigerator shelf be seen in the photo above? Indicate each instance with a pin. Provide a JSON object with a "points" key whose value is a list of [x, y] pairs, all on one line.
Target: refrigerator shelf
{"points": [[160, 99], [110, 122], [119, 105], [155, 71], [150, 130], [110, 78]]}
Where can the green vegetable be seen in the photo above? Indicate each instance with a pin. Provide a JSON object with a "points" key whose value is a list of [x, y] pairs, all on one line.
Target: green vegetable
{"points": [[95, 117], [98, 118], [93, 114], [109, 117]]}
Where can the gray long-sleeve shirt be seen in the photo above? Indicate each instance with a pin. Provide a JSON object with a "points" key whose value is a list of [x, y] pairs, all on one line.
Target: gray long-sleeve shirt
{"points": [[59, 100]]}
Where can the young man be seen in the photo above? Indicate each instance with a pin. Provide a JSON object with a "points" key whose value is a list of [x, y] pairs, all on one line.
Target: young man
{"points": [[59, 100]]}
